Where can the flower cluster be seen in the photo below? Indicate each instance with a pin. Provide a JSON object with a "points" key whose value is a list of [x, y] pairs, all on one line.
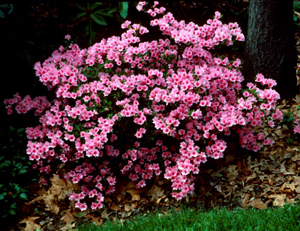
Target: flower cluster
{"points": [[26, 104], [126, 108]]}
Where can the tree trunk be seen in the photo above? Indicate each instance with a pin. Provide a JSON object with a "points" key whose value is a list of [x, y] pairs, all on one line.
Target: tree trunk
{"points": [[270, 44]]}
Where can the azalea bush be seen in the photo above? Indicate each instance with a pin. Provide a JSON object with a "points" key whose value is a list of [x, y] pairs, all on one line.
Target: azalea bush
{"points": [[126, 108]]}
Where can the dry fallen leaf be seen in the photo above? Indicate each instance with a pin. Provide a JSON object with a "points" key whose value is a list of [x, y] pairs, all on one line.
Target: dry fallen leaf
{"points": [[104, 213], [30, 224], [135, 194], [232, 172], [114, 207], [257, 203], [127, 207], [61, 188], [251, 177], [158, 201], [68, 217], [288, 186], [95, 219], [244, 202], [280, 200], [219, 188], [134, 205], [51, 203], [69, 227], [155, 192], [297, 99]]}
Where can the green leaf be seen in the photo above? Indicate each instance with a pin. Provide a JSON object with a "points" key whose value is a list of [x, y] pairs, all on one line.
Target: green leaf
{"points": [[23, 196], [79, 214], [123, 9], [11, 8], [6, 163], [296, 6], [95, 5], [12, 212], [5, 5], [114, 9], [2, 14], [18, 165], [103, 13], [98, 3], [13, 205], [22, 171], [80, 15], [99, 19], [17, 187], [295, 18], [20, 130], [80, 7]]}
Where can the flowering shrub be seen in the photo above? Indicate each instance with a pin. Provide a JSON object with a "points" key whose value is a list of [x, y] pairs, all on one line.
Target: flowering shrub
{"points": [[139, 109]]}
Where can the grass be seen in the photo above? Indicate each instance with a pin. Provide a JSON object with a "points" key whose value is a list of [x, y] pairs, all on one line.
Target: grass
{"points": [[287, 218]]}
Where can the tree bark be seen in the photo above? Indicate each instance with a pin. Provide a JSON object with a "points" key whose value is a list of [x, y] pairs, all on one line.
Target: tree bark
{"points": [[270, 44]]}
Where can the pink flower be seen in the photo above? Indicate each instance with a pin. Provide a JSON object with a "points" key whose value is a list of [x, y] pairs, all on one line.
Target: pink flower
{"points": [[141, 184], [81, 206], [92, 193], [95, 206], [256, 148], [297, 129], [133, 177], [68, 37], [271, 123], [111, 180], [138, 134]]}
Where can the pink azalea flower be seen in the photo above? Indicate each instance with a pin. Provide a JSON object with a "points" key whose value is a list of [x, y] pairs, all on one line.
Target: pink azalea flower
{"points": [[297, 129]]}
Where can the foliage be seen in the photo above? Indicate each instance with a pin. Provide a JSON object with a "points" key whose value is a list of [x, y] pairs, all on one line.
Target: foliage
{"points": [[96, 13], [14, 165], [126, 108], [296, 8], [10, 8]]}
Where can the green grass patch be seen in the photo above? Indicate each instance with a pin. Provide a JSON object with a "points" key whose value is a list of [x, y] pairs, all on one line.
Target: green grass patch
{"points": [[286, 218]]}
